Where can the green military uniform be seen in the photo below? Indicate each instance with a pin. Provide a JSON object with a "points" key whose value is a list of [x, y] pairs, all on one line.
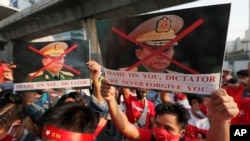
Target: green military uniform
{"points": [[46, 76], [54, 49]]}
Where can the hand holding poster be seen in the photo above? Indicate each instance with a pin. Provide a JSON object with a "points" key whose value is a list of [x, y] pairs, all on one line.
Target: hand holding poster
{"points": [[187, 45], [193, 83]]}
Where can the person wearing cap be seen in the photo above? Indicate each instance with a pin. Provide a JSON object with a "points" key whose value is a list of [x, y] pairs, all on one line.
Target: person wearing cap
{"points": [[52, 52], [155, 33]]}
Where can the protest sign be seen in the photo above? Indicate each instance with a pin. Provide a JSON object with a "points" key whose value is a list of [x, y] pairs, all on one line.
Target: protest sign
{"points": [[180, 50], [48, 65]]}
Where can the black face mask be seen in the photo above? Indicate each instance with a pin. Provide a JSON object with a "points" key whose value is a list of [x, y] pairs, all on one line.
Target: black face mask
{"points": [[140, 94]]}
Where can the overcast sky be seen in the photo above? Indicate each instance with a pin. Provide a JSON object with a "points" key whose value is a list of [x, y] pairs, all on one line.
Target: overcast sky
{"points": [[239, 16]]}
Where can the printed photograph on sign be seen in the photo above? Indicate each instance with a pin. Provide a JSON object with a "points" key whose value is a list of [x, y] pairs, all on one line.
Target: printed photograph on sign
{"points": [[57, 65], [180, 50]]}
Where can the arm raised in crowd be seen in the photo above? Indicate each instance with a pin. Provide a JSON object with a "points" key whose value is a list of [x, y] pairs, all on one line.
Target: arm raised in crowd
{"points": [[95, 72], [118, 117], [222, 109], [97, 103]]}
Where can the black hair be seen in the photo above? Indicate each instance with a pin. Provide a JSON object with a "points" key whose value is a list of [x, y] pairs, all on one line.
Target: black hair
{"points": [[40, 92], [6, 92], [78, 97], [74, 117], [181, 113], [232, 80], [197, 97], [11, 109], [243, 73]]}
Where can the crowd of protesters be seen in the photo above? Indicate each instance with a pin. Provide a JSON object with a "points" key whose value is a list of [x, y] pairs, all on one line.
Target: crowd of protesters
{"points": [[125, 112], [238, 86]]}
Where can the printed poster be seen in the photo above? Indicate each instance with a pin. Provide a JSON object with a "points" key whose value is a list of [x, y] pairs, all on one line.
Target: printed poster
{"points": [[50, 65], [179, 51]]}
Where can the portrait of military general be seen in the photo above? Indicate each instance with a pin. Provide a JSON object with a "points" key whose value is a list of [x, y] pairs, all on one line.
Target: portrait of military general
{"points": [[145, 50], [51, 61], [185, 41]]}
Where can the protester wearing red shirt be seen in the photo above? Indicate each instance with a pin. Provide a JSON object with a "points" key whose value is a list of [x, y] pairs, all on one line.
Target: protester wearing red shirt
{"points": [[244, 115], [135, 106], [168, 124], [3, 66], [235, 89], [198, 124]]}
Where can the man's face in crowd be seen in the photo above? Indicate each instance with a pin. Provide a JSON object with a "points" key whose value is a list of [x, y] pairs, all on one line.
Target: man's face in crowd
{"points": [[14, 131], [156, 63], [54, 67], [225, 73], [169, 123], [199, 110], [242, 79]]}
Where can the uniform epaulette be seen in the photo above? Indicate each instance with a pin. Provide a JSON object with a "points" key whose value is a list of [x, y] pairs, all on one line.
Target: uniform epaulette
{"points": [[67, 73], [135, 69], [169, 71], [38, 74]]}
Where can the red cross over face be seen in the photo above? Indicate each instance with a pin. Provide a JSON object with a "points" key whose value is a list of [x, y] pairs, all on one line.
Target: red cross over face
{"points": [[55, 64], [54, 67], [163, 51], [156, 63]]}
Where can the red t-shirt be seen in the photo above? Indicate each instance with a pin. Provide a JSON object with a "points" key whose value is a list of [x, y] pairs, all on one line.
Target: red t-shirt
{"points": [[1, 74], [196, 126], [134, 109], [145, 134], [3, 67], [237, 95], [244, 115]]}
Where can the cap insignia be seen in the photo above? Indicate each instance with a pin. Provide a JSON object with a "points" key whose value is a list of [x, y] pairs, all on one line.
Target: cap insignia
{"points": [[163, 25], [58, 46]]}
